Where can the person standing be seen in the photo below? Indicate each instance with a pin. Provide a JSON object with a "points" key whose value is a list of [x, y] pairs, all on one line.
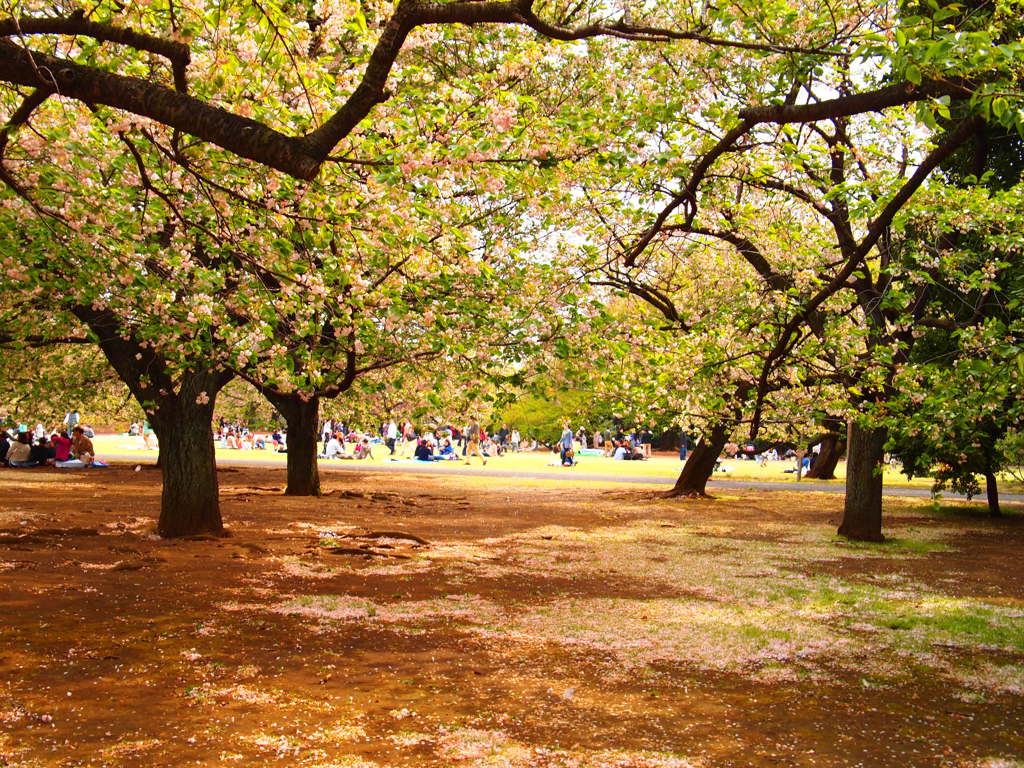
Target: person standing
{"points": [[408, 440], [565, 441], [646, 442], [684, 445], [391, 435], [71, 419], [327, 432], [473, 441]]}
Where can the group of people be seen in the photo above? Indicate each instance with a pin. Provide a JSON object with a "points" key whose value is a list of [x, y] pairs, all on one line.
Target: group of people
{"points": [[141, 429], [334, 448], [239, 437], [451, 443], [32, 449], [635, 446], [439, 444], [404, 441]]}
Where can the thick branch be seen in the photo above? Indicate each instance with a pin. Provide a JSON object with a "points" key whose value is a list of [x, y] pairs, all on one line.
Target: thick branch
{"points": [[22, 114], [688, 194], [753, 256], [43, 341], [854, 259], [949, 144], [177, 53], [627, 31], [648, 294], [242, 136], [299, 156], [855, 104]]}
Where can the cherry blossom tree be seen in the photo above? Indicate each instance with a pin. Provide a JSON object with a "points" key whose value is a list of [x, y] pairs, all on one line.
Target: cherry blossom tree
{"points": [[287, 84], [400, 252]]}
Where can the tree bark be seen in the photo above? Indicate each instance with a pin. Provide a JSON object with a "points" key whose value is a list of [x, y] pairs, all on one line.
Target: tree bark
{"points": [[988, 446], [180, 412], [992, 493], [301, 417], [862, 512], [833, 446], [700, 464], [189, 503]]}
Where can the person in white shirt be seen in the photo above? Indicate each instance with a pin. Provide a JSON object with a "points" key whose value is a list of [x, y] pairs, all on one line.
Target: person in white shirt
{"points": [[327, 432], [390, 436], [334, 449]]}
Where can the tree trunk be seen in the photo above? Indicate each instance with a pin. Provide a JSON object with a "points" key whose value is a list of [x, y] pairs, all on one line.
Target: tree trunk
{"points": [[189, 503], [700, 464], [302, 417], [992, 492], [862, 513], [988, 443], [180, 410], [833, 446]]}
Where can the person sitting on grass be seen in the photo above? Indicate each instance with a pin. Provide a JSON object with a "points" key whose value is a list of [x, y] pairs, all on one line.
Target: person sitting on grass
{"points": [[636, 454], [334, 448], [555, 460], [423, 452], [61, 445], [5, 446], [42, 453], [363, 449], [18, 453], [447, 452], [81, 446]]}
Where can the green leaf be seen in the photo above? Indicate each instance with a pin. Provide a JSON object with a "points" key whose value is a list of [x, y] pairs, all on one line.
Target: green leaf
{"points": [[360, 20]]}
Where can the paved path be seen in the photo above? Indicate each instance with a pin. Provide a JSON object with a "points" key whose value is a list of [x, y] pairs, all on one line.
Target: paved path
{"points": [[719, 482]]}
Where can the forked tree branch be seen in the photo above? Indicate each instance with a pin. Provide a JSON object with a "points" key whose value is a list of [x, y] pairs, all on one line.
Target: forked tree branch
{"points": [[300, 156], [830, 109], [856, 256]]}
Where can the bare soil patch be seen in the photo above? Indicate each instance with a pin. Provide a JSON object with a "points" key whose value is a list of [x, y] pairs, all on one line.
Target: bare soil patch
{"points": [[419, 621]]}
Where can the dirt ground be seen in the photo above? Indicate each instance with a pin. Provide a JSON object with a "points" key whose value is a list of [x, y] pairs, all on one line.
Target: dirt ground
{"points": [[421, 621]]}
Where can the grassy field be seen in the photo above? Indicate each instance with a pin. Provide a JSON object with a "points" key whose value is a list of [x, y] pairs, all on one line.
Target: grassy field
{"points": [[662, 465]]}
